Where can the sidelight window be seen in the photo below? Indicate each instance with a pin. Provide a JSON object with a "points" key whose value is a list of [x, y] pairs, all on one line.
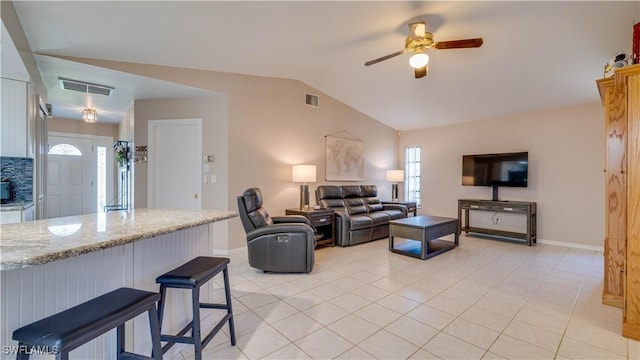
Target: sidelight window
{"points": [[412, 174]]}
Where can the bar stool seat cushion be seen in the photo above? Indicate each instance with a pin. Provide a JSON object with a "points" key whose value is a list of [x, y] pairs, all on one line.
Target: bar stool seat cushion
{"points": [[196, 271], [80, 324]]}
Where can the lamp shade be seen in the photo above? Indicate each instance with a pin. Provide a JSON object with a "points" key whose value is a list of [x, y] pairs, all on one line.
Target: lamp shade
{"points": [[89, 116], [303, 173], [395, 176]]}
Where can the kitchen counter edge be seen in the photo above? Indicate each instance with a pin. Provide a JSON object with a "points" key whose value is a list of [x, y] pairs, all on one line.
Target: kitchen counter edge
{"points": [[42, 241]]}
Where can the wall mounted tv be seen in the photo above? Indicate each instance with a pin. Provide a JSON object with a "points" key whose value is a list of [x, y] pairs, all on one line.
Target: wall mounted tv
{"points": [[506, 169]]}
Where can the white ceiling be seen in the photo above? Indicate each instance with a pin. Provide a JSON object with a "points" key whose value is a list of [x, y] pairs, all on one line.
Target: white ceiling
{"points": [[127, 87], [536, 55]]}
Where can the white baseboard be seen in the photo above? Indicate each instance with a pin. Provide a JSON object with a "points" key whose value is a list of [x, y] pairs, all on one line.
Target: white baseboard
{"points": [[226, 252], [571, 245]]}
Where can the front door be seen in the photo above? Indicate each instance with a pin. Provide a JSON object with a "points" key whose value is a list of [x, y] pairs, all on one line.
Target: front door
{"points": [[70, 177], [175, 158]]}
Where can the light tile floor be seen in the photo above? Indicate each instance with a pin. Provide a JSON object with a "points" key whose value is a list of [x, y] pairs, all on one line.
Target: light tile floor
{"points": [[486, 299]]}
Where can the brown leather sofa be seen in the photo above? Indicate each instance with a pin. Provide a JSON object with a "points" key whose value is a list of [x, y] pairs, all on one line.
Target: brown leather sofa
{"points": [[360, 216]]}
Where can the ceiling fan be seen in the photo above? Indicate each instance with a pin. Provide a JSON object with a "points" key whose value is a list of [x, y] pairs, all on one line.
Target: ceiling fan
{"points": [[419, 41]]}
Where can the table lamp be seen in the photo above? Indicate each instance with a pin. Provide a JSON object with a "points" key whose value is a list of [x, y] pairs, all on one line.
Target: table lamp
{"points": [[395, 176], [304, 174]]}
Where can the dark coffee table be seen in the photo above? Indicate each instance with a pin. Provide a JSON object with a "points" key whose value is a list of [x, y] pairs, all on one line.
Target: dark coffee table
{"points": [[422, 234]]}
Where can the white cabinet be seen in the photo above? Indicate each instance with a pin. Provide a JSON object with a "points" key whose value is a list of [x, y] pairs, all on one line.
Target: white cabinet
{"points": [[18, 215], [14, 124], [10, 217]]}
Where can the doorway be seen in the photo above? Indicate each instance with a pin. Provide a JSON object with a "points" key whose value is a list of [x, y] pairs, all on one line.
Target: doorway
{"points": [[79, 174], [175, 158]]}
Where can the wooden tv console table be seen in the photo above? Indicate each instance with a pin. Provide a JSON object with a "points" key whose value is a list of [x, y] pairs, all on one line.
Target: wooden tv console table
{"points": [[515, 207]]}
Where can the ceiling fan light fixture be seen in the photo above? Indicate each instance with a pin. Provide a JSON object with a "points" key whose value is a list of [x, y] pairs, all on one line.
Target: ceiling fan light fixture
{"points": [[419, 60], [90, 116]]}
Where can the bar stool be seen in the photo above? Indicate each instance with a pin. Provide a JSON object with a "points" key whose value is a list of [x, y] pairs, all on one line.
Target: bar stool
{"points": [[193, 275], [62, 332]]}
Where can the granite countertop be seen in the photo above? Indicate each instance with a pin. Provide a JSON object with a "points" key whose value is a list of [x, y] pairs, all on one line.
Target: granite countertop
{"points": [[16, 206], [42, 241]]}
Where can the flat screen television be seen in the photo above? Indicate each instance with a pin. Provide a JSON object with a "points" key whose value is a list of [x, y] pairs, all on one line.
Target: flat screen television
{"points": [[506, 169]]}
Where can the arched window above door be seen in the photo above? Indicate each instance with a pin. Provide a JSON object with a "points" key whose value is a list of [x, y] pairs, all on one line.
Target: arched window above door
{"points": [[65, 149]]}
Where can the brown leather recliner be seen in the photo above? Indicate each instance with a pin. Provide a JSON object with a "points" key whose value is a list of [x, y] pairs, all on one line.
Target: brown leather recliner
{"points": [[284, 244]]}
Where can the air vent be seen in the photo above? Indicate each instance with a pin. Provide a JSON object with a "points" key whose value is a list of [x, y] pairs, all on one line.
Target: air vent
{"points": [[312, 100], [85, 87]]}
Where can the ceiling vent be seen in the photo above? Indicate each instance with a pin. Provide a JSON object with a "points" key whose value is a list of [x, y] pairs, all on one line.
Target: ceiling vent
{"points": [[85, 87], [312, 100]]}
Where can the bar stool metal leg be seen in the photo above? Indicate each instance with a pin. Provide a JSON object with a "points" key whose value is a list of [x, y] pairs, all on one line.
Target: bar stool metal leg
{"points": [[120, 341], [195, 331], [227, 295], [156, 352], [163, 291]]}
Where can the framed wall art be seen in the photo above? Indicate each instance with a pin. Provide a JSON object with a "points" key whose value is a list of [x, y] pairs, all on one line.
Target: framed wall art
{"points": [[344, 159]]}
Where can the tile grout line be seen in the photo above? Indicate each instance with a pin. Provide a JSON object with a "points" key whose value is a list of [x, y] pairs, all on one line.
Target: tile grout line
{"points": [[573, 306]]}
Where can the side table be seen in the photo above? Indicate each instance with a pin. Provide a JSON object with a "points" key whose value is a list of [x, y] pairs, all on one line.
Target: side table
{"points": [[412, 206], [321, 220]]}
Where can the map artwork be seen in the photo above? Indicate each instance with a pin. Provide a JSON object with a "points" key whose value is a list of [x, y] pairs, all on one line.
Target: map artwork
{"points": [[344, 159]]}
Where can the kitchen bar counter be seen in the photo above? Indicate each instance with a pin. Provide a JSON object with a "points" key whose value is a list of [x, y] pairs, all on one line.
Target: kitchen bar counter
{"points": [[51, 265], [42, 241]]}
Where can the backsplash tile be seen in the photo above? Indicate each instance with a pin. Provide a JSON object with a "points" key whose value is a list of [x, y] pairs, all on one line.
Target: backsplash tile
{"points": [[19, 172]]}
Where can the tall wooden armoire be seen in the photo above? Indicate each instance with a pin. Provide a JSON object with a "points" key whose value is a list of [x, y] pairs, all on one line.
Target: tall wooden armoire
{"points": [[621, 99]]}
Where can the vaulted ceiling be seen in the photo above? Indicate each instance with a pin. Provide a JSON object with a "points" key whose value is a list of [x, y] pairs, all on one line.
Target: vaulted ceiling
{"points": [[536, 55]]}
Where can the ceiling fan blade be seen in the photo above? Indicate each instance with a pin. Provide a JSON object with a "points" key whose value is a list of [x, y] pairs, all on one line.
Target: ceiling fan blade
{"points": [[417, 30], [386, 57], [459, 44], [421, 72]]}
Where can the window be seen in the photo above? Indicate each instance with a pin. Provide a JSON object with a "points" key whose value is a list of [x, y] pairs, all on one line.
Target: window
{"points": [[102, 177], [412, 174], [65, 149]]}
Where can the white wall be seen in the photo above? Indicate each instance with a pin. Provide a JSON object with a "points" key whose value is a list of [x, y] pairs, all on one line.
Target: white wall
{"points": [[566, 161]]}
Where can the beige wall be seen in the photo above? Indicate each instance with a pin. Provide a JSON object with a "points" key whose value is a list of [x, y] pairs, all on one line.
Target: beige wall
{"points": [[566, 157], [212, 111], [80, 127], [269, 129], [126, 126]]}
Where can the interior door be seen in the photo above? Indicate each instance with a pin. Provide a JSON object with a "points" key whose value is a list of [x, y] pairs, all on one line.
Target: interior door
{"points": [[70, 180], [175, 158]]}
